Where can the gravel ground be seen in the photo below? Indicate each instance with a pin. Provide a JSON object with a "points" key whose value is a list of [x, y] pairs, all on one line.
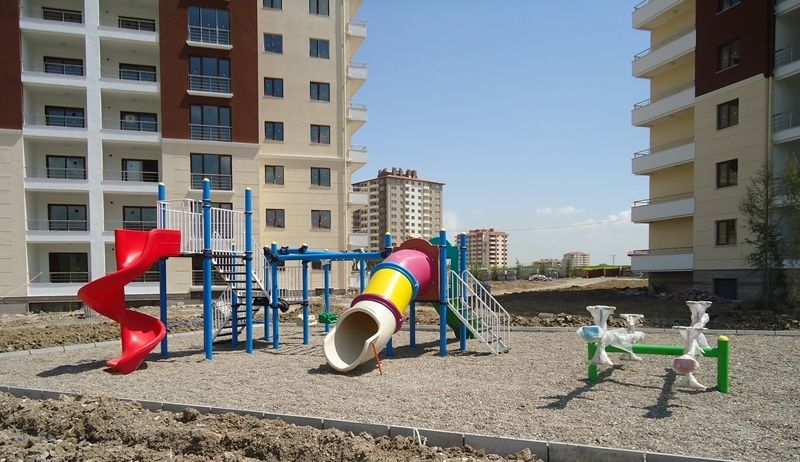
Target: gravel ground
{"points": [[526, 393]]}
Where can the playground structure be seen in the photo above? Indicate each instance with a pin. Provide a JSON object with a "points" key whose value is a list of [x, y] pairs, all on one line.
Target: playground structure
{"points": [[259, 280], [602, 341]]}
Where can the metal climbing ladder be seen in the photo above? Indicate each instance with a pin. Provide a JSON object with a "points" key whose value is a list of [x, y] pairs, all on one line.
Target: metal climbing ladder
{"points": [[476, 308]]}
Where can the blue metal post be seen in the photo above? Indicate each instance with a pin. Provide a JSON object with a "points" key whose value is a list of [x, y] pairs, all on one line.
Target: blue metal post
{"points": [[207, 302], [276, 328], [362, 275], [462, 266], [267, 308], [248, 267], [442, 293], [234, 318], [162, 277], [326, 272], [306, 337], [412, 321]]}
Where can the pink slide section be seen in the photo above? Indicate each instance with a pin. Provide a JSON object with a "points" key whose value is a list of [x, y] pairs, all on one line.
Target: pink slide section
{"points": [[136, 251]]}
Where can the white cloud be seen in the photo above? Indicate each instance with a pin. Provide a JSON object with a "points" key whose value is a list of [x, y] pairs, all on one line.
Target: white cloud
{"points": [[569, 210], [544, 211], [450, 221]]}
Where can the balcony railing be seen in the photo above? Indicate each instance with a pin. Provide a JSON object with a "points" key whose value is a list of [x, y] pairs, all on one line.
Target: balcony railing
{"points": [[59, 173], [148, 276], [134, 176], [111, 225], [68, 277], [668, 251], [219, 182], [209, 83], [53, 14], [216, 278], [211, 35], [53, 68], [663, 147], [57, 225], [785, 120], [641, 4], [662, 199], [662, 43], [787, 55], [210, 132], [664, 95], [110, 72], [56, 120], [125, 22], [131, 125]]}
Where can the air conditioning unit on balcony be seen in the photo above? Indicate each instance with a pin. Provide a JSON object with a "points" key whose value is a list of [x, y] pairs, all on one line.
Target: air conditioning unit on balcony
{"points": [[129, 118]]}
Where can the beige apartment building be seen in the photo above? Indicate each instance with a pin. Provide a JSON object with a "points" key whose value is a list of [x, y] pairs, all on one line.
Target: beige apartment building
{"points": [[104, 99], [487, 248], [723, 91], [575, 259], [400, 203]]}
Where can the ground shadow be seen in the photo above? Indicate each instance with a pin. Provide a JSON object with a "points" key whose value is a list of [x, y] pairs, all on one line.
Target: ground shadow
{"points": [[73, 369], [662, 409], [561, 401]]}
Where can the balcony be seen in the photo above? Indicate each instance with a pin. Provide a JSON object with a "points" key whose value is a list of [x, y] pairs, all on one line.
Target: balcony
{"points": [[657, 158], [663, 208], [650, 110], [53, 74], [357, 154], [210, 132], [662, 260], [57, 231], [219, 182], [56, 179], [669, 52], [787, 61], [128, 28], [55, 126], [52, 21], [358, 197], [356, 116], [209, 37], [356, 34], [129, 80], [205, 85], [650, 14], [111, 225], [786, 126], [130, 182], [356, 76], [131, 130], [786, 6]]}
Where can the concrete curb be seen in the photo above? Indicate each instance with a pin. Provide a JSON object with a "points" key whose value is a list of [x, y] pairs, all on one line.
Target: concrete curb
{"points": [[548, 451]]}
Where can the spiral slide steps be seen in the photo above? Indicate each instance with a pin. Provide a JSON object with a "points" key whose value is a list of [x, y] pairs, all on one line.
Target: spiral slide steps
{"points": [[136, 251]]}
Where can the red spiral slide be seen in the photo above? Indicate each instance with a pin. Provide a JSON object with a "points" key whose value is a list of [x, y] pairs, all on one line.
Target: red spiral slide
{"points": [[136, 251]]}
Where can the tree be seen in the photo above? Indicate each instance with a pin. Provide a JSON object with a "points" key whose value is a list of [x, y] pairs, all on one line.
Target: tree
{"points": [[518, 269], [764, 235], [790, 209], [568, 269]]}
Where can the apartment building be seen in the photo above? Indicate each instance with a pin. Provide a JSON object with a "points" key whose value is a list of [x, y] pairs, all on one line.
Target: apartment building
{"points": [[575, 259], [723, 92], [106, 98], [487, 248], [397, 202]]}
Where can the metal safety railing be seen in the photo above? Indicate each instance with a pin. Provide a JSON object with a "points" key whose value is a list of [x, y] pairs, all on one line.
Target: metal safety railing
{"points": [[136, 176], [185, 215], [786, 55], [221, 311], [662, 199], [210, 132], [209, 83], [59, 173], [130, 23], [663, 43], [122, 73], [785, 120], [57, 225], [63, 68], [480, 312], [213, 35], [664, 95]]}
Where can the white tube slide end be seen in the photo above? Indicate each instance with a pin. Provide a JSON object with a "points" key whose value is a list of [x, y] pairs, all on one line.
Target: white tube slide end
{"points": [[349, 344]]}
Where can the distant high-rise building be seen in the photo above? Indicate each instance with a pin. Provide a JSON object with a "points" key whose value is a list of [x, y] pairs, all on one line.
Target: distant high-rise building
{"points": [[398, 202], [487, 248], [575, 259]]}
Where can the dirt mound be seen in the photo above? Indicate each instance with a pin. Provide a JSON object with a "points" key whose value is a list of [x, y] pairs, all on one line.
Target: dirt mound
{"points": [[106, 429]]}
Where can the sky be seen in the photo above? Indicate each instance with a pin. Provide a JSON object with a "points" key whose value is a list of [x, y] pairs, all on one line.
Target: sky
{"points": [[522, 107]]}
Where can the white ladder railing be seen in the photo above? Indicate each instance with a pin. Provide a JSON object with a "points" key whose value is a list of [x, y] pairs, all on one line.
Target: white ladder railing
{"points": [[480, 312], [221, 311]]}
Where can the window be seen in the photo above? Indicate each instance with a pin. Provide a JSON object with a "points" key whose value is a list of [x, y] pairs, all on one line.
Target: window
{"points": [[318, 48], [58, 116], [139, 72], [273, 131], [210, 123], [728, 55], [726, 232], [62, 217], [140, 170], [725, 288], [273, 4], [126, 22], [320, 91], [273, 174], [319, 7], [215, 167], [728, 114], [276, 218], [725, 4], [209, 74], [321, 134], [68, 267], [320, 176], [138, 121], [273, 87], [67, 66], [141, 218], [66, 167], [728, 173], [58, 14], [209, 25], [321, 219], [273, 43]]}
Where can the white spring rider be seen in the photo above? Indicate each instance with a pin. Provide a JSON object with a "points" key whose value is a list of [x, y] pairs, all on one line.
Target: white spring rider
{"points": [[622, 338], [687, 364]]}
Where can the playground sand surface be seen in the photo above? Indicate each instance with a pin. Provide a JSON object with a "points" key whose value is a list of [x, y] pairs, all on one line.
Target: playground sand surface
{"points": [[537, 391]]}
